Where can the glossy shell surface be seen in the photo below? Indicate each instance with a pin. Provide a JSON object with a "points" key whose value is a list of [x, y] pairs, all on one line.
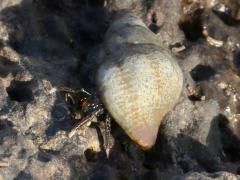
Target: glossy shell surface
{"points": [[139, 82]]}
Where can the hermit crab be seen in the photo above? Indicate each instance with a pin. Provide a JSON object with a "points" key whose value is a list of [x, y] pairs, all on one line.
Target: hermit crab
{"points": [[138, 81]]}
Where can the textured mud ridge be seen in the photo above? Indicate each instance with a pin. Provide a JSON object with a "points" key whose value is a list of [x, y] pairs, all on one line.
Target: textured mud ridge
{"points": [[46, 44]]}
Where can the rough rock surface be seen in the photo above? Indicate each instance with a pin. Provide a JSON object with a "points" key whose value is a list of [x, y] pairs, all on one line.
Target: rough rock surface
{"points": [[44, 44]]}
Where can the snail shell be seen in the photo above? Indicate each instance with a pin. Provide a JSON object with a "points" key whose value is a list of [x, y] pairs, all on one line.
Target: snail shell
{"points": [[139, 82]]}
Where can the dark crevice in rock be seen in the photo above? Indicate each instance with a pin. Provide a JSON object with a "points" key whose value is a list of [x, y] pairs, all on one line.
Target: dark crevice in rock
{"points": [[230, 142], [6, 129], [192, 26], [5, 124], [202, 72], [236, 61], [195, 98], [44, 156], [20, 91], [91, 156], [22, 175], [153, 26], [22, 154]]}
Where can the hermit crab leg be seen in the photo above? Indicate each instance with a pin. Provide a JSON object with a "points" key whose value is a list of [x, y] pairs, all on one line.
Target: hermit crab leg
{"points": [[107, 145], [84, 91], [68, 93], [69, 96], [66, 89], [80, 124], [83, 121], [69, 90]]}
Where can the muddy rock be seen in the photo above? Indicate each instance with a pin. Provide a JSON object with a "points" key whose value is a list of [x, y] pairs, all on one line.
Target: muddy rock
{"points": [[45, 45], [198, 176]]}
